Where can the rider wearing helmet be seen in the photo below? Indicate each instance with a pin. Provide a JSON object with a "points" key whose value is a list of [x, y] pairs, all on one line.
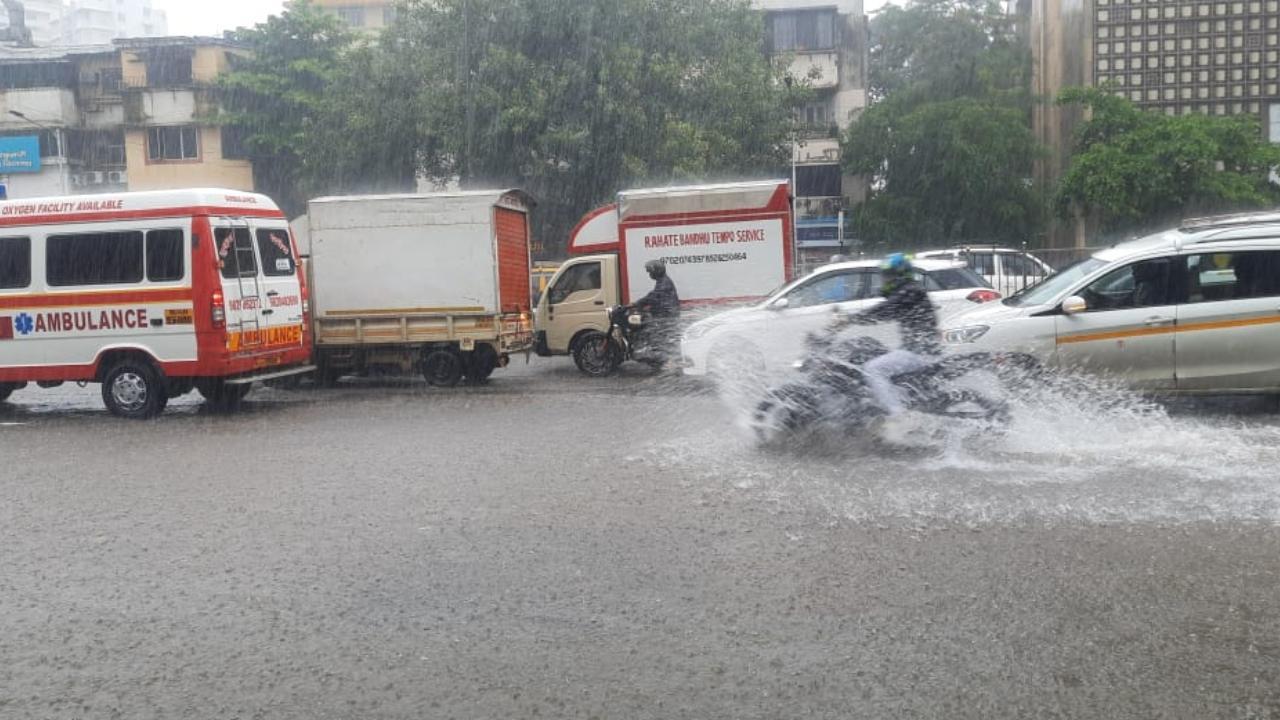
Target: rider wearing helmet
{"points": [[662, 304], [907, 304]]}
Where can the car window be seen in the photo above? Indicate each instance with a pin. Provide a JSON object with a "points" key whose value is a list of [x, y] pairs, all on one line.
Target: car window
{"points": [[276, 253], [235, 252], [1213, 277], [1142, 284], [983, 263], [833, 287], [575, 279], [1019, 266]]}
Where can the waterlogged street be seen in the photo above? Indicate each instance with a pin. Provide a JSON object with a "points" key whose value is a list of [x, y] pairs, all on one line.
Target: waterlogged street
{"points": [[551, 546]]}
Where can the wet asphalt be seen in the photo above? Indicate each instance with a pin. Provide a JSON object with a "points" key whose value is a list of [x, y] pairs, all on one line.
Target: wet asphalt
{"points": [[554, 547]]}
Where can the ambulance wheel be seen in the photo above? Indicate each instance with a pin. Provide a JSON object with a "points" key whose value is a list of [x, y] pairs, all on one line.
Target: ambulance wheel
{"points": [[133, 389], [221, 396], [442, 368], [481, 363]]}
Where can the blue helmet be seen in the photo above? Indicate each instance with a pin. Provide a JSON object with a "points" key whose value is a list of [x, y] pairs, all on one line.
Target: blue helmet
{"points": [[896, 270]]}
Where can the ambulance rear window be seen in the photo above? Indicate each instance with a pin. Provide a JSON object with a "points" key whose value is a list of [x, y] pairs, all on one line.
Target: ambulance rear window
{"points": [[113, 258], [273, 248], [15, 262]]}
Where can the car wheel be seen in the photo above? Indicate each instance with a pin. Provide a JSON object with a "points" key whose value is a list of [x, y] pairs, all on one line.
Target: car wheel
{"points": [[133, 389]]}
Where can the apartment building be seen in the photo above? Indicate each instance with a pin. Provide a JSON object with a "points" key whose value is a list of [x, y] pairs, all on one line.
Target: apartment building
{"points": [[89, 22], [129, 115], [825, 44]]}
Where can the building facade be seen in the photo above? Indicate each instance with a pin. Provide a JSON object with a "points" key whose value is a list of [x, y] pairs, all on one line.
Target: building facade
{"points": [[90, 22], [362, 15], [1215, 57], [129, 115], [824, 44]]}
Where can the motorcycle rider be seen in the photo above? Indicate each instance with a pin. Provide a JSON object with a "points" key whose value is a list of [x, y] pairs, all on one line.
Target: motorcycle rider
{"points": [[907, 304], [663, 307]]}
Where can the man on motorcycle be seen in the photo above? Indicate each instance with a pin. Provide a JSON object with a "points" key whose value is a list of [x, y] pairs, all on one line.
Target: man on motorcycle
{"points": [[663, 307], [907, 304]]}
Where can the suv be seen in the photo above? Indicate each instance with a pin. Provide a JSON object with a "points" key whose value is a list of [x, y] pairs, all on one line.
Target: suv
{"points": [[771, 333], [1192, 310], [1007, 270]]}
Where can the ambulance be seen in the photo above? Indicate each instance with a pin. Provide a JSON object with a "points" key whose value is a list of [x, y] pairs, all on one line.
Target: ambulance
{"points": [[152, 295]]}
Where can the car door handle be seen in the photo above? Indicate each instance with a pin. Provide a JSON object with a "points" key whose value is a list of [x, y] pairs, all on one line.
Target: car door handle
{"points": [[1156, 321]]}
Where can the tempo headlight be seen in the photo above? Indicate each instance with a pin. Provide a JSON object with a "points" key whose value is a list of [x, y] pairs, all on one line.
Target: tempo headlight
{"points": [[963, 335]]}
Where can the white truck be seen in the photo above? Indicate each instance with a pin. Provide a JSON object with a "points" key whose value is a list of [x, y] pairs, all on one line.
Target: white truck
{"points": [[437, 283], [726, 243]]}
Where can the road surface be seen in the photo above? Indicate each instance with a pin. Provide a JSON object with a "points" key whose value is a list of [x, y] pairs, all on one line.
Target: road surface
{"points": [[554, 547]]}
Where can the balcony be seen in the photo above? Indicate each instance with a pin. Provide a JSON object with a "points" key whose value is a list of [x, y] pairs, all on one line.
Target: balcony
{"points": [[42, 106]]}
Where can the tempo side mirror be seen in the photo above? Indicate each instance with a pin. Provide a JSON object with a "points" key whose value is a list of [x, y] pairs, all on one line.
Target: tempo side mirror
{"points": [[1073, 305]]}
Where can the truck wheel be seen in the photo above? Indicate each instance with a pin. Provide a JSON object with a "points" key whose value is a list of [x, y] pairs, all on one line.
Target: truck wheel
{"points": [[481, 363], [442, 368], [133, 389], [597, 355], [219, 395]]}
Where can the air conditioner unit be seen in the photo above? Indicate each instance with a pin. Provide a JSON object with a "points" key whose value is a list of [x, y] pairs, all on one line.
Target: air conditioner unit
{"points": [[95, 177], [118, 177]]}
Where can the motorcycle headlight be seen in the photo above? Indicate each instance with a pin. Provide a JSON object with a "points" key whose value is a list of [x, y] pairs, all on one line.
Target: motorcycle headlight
{"points": [[963, 335], [635, 320]]}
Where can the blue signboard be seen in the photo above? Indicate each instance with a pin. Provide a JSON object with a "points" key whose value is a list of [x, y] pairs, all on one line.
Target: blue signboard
{"points": [[818, 232], [20, 154]]}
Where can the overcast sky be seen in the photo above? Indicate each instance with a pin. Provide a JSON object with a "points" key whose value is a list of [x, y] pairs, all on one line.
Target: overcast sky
{"points": [[211, 17]]}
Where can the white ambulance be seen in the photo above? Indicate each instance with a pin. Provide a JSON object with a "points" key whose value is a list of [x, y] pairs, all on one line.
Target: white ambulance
{"points": [[152, 294]]}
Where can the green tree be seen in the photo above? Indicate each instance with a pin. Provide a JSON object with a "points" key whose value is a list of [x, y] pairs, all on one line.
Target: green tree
{"points": [[275, 97], [948, 148], [1133, 167], [576, 99]]}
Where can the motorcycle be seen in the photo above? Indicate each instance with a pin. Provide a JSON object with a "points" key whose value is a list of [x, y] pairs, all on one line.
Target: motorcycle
{"points": [[833, 390], [630, 336]]}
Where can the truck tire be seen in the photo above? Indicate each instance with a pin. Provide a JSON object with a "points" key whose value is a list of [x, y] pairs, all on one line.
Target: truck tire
{"points": [[597, 355], [221, 396], [481, 363], [134, 390], [442, 368]]}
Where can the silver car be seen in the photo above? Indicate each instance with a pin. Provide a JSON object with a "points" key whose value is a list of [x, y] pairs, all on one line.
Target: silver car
{"points": [[1192, 310]]}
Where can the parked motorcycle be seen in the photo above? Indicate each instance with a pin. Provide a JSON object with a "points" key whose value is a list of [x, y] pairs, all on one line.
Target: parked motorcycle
{"points": [[630, 336], [832, 390]]}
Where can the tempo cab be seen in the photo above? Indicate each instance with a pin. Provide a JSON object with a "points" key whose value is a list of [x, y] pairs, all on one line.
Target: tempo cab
{"points": [[151, 294]]}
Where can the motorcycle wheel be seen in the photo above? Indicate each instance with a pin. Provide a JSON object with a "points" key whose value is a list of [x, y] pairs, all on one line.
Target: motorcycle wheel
{"points": [[597, 355], [782, 413]]}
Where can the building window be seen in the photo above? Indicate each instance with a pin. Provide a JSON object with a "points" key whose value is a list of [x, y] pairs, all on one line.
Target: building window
{"points": [[805, 30], [818, 181], [167, 69], [353, 16], [1273, 115], [173, 143]]}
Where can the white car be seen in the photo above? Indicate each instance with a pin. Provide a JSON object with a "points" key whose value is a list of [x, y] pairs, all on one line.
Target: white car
{"points": [[1005, 269], [1192, 310], [771, 334]]}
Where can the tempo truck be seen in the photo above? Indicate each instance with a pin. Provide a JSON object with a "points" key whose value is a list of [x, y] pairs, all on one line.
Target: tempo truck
{"points": [[436, 283], [727, 243]]}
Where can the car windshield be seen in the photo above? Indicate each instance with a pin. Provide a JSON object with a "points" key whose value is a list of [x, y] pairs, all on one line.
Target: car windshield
{"points": [[1045, 291]]}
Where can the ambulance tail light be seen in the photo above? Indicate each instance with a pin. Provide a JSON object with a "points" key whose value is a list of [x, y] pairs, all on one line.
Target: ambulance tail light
{"points": [[306, 301], [218, 310]]}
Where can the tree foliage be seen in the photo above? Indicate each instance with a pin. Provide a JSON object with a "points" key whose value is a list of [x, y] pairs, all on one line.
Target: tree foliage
{"points": [[576, 99], [1132, 167], [948, 149]]}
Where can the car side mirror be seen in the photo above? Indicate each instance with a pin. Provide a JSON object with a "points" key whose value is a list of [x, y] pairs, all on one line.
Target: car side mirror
{"points": [[1073, 305], [780, 304]]}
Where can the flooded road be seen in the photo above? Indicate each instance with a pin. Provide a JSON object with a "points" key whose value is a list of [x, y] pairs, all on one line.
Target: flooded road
{"points": [[550, 546]]}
